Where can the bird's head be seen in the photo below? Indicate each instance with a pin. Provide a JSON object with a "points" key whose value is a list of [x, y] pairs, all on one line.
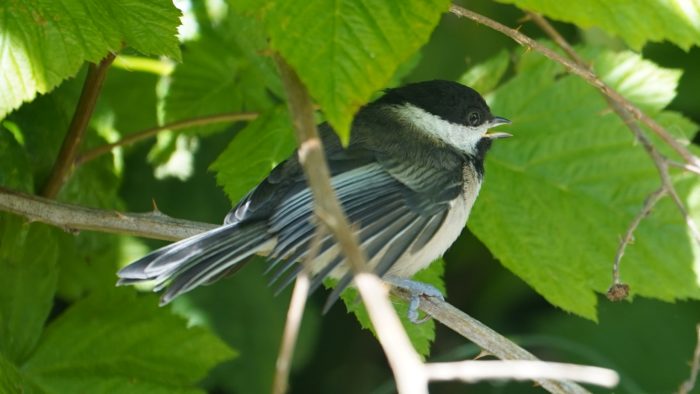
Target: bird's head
{"points": [[447, 111]]}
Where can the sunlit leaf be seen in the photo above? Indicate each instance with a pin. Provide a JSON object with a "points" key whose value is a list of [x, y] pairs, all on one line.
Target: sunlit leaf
{"points": [[636, 22], [344, 51], [45, 41]]}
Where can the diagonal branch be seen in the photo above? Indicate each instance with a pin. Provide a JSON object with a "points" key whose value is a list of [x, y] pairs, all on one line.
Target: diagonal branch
{"points": [[583, 72], [151, 132], [81, 118]]}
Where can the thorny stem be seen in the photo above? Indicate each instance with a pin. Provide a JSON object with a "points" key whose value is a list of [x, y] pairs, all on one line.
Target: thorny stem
{"points": [[81, 118]]}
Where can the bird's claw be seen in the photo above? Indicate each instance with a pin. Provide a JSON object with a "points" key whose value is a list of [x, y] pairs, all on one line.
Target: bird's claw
{"points": [[416, 290]]}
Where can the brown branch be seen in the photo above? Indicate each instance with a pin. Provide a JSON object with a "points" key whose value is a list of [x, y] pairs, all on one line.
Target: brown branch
{"points": [[689, 384], [81, 118], [74, 218], [584, 73], [404, 361], [486, 338], [153, 131], [619, 290]]}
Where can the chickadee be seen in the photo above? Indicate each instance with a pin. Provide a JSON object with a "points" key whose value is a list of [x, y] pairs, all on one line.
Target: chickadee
{"points": [[407, 181]]}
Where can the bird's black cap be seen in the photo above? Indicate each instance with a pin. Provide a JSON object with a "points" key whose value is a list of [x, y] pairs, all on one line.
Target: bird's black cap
{"points": [[449, 100]]}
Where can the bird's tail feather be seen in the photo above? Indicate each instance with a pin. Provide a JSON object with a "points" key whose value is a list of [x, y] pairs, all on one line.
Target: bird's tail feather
{"points": [[197, 260]]}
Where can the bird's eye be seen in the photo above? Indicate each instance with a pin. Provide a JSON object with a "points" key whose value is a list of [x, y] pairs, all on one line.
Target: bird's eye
{"points": [[474, 118]]}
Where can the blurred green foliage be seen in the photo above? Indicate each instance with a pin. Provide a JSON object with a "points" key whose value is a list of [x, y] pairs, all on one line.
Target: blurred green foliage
{"points": [[556, 198]]}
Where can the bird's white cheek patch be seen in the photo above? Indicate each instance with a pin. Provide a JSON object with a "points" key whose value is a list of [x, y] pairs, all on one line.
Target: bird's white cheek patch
{"points": [[459, 136]]}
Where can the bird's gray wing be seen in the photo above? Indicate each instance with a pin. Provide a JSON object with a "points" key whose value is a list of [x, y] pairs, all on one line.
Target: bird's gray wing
{"points": [[394, 207]]}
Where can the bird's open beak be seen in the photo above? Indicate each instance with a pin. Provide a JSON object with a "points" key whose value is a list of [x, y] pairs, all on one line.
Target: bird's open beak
{"points": [[497, 121]]}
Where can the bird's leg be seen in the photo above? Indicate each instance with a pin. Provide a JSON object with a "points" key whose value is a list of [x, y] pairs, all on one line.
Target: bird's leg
{"points": [[416, 290]]}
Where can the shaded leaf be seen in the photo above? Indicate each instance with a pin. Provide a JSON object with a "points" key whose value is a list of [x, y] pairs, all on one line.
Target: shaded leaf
{"points": [[46, 41], [11, 380], [253, 153], [245, 313], [215, 77], [28, 275], [114, 342]]}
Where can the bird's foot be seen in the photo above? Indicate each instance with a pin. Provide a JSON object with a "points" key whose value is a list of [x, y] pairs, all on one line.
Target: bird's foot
{"points": [[416, 290]]}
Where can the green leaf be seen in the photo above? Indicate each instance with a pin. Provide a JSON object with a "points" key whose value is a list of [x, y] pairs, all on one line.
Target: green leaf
{"points": [[635, 22], [215, 77], [114, 342], [485, 77], [253, 153], [14, 161], [28, 256], [46, 41], [11, 380], [130, 99], [559, 195], [644, 83], [252, 328], [28, 275], [344, 51], [421, 335]]}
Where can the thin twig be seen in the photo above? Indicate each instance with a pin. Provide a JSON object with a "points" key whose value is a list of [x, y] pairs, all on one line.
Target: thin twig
{"points": [[404, 361], [689, 384], [584, 73], [473, 371], [81, 118], [291, 332], [619, 290], [295, 313], [153, 131]]}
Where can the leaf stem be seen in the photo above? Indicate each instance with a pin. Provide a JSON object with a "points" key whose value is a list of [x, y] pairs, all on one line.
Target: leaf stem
{"points": [[174, 126], [63, 165], [689, 384]]}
